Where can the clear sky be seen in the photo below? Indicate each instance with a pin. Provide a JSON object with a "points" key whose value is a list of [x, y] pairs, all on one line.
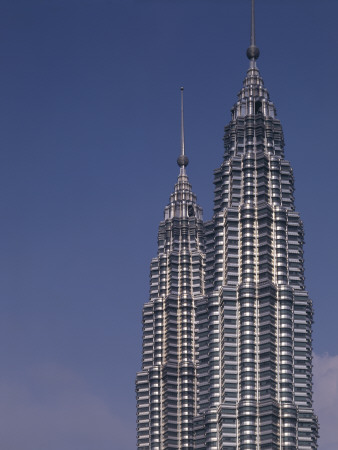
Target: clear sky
{"points": [[89, 136]]}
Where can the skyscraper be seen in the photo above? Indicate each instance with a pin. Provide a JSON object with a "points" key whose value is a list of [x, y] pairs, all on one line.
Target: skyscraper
{"points": [[167, 385], [243, 308]]}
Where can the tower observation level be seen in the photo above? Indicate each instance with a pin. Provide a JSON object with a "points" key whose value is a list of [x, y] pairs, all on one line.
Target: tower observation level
{"points": [[240, 318]]}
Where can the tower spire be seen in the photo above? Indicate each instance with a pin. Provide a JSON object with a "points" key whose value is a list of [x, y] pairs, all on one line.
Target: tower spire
{"points": [[253, 51], [253, 36], [182, 122], [182, 160]]}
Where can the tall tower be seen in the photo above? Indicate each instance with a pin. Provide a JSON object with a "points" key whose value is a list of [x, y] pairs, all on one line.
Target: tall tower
{"points": [[254, 324], [166, 387], [227, 346]]}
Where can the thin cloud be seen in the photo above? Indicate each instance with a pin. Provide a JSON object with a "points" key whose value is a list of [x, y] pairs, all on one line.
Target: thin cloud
{"points": [[56, 410], [325, 370]]}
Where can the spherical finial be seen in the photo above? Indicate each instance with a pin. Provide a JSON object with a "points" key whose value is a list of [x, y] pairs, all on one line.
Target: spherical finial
{"points": [[252, 52], [182, 161]]}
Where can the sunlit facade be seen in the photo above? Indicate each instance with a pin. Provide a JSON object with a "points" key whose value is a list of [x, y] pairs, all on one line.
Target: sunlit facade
{"points": [[254, 324], [227, 332], [167, 385]]}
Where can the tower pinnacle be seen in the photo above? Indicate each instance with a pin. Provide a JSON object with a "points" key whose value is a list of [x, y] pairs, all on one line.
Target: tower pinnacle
{"points": [[253, 51], [182, 160]]}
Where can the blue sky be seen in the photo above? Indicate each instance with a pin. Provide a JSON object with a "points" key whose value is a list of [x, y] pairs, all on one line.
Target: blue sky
{"points": [[89, 120]]}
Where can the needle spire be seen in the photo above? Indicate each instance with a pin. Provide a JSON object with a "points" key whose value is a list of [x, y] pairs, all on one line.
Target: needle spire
{"points": [[253, 51], [182, 122], [182, 160]]}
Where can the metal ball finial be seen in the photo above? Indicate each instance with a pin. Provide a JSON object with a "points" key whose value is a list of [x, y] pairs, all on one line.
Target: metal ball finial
{"points": [[182, 161], [252, 52]]}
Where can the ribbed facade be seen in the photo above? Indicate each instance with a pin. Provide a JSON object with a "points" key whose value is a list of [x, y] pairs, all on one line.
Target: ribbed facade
{"points": [[254, 325], [167, 385], [227, 332]]}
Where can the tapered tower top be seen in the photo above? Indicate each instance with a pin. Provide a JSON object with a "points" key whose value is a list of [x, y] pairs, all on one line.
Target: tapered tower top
{"points": [[182, 160], [253, 51]]}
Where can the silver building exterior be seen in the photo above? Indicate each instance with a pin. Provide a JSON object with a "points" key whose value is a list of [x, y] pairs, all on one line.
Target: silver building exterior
{"points": [[227, 330], [254, 325], [167, 385]]}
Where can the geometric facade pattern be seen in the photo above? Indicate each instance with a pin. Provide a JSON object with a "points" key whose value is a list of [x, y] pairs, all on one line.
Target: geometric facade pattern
{"points": [[167, 385], [227, 347], [254, 324]]}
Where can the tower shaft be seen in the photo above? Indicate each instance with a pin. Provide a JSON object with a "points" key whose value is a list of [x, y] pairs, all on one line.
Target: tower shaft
{"points": [[254, 325], [167, 385]]}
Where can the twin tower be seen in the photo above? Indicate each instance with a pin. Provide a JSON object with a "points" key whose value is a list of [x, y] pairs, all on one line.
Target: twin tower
{"points": [[227, 347]]}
